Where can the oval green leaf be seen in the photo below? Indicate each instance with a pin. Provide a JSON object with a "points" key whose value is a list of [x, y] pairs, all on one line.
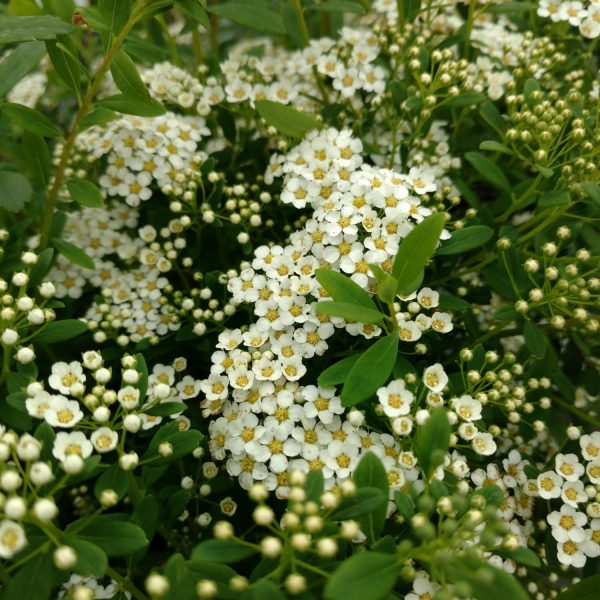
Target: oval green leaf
{"points": [[285, 119], [85, 192], [466, 239]]}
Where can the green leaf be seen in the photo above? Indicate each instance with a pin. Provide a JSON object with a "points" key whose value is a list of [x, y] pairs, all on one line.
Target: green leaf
{"points": [[338, 372], [466, 239], [15, 191], [554, 198], [535, 340], [41, 267], [386, 284], [252, 15], [142, 368], [432, 441], [116, 13], [405, 505], [492, 115], [314, 485], [18, 63], [370, 371], [122, 104], [25, 29], [285, 119], [523, 556], [31, 119], [195, 11], [63, 54], [593, 191], [60, 331], [366, 575], [110, 533], [583, 590], [350, 312], [263, 589], [493, 146], [222, 551], [506, 313], [364, 501], [183, 442], [33, 580], [343, 289], [416, 249], [494, 496], [99, 116], [510, 7], [73, 253], [85, 192], [128, 79], [486, 582], [113, 478], [488, 170], [411, 9], [91, 560], [370, 472], [465, 99], [164, 409], [36, 150], [340, 6], [545, 171]]}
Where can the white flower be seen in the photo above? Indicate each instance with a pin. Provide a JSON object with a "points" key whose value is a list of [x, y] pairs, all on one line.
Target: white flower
{"points": [[104, 440], [572, 493], [572, 553], [441, 322], [74, 443], [568, 466], [63, 412], [64, 375], [435, 377], [395, 398], [590, 444], [12, 538], [549, 485], [428, 298], [593, 471], [484, 444], [568, 524], [423, 588], [467, 408]]}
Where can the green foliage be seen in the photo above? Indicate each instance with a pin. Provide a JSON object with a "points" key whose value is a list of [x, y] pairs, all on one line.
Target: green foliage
{"points": [[463, 240], [23, 59], [432, 441], [85, 192], [256, 17], [28, 28], [15, 191], [30, 119], [285, 119]]}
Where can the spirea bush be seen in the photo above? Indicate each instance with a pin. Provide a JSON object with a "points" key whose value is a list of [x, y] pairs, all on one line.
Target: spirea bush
{"points": [[299, 299]]}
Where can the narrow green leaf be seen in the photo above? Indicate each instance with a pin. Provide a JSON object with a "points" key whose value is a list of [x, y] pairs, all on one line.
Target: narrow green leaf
{"points": [[493, 116], [364, 501], [183, 442], [350, 312], [195, 11], [128, 79], [115, 12], [15, 191], [60, 331], [370, 371], [23, 59], [370, 472], [510, 7], [314, 485], [364, 575], [416, 249], [404, 504], [222, 551], [463, 240], [252, 15], [493, 146], [38, 156], [523, 556], [113, 478], [164, 409], [41, 267], [25, 29], [535, 340], [488, 170], [285, 119], [432, 441], [340, 6], [85, 192], [465, 99], [69, 69], [99, 116], [122, 104], [31, 119], [338, 372], [73, 253], [343, 289]]}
